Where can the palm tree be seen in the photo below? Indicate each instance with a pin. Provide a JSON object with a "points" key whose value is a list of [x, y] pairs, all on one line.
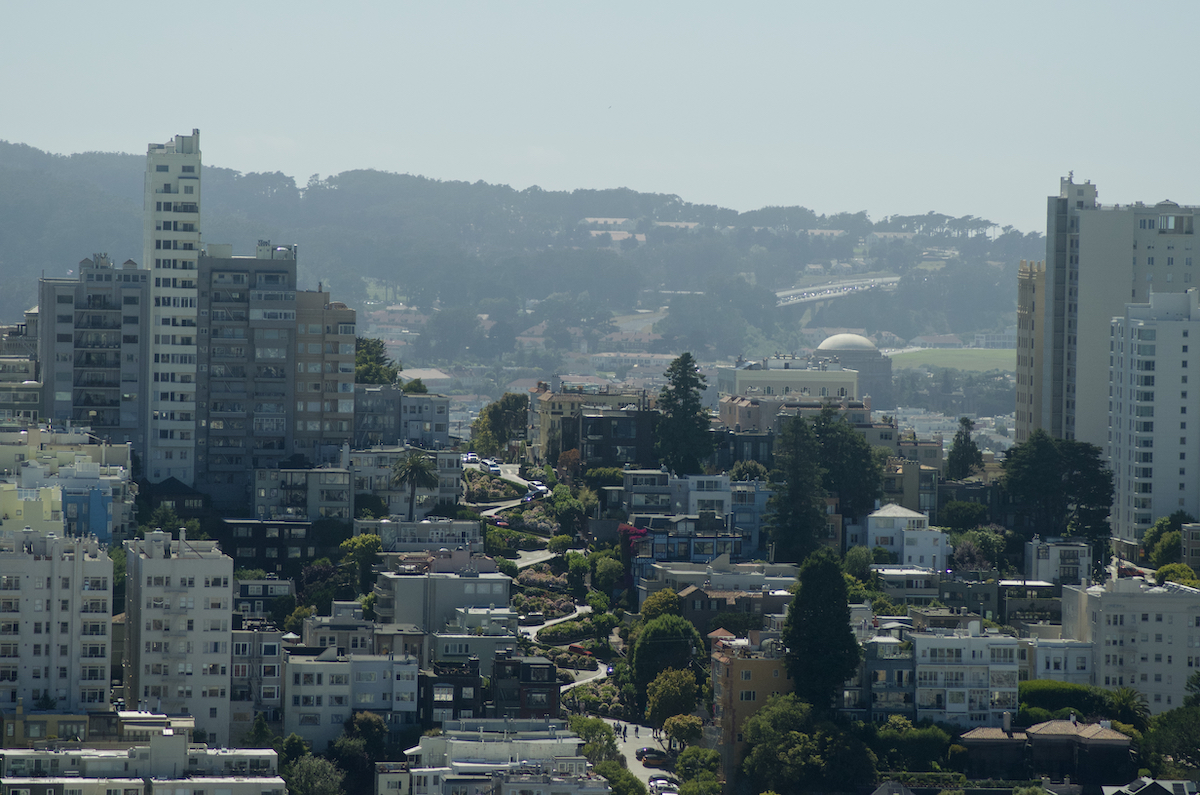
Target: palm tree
{"points": [[1130, 705], [419, 472]]}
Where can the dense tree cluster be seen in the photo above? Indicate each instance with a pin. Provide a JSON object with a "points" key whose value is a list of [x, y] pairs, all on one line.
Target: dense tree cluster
{"points": [[1062, 486], [813, 458]]}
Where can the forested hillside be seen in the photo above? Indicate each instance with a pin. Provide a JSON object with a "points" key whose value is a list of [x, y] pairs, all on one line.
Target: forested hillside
{"points": [[489, 248]]}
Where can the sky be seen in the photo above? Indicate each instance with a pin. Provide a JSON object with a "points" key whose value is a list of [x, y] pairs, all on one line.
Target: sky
{"points": [[892, 108]]}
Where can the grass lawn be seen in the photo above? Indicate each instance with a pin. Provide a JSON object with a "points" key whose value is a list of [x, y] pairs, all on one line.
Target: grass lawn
{"points": [[980, 359]]}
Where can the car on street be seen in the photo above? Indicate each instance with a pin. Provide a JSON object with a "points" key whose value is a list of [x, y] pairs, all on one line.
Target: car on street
{"points": [[661, 784], [652, 757], [531, 619], [492, 467], [470, 458], [609, 671]]}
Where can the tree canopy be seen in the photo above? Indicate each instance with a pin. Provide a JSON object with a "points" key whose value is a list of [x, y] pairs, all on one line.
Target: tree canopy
{"points": [[660, 603], [1162, 541], [417, 471], [798, 505], [821, 650], [961, 515], [671, 693], [849, 467], [313, 775], [500, 421], [748, 469], [666, 642], [789, 750], [682, 435], [965, 456], [371, 362], [1062, 485]]}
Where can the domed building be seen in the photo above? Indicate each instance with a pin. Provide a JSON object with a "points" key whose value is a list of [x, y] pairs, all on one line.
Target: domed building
{"points": [[856, 352]]}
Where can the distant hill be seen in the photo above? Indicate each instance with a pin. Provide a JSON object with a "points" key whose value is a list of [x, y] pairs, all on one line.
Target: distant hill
{"points": [[461, 245]]}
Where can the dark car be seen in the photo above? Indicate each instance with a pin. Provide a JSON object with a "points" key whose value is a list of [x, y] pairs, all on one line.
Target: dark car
{"points": [[653, 757]]}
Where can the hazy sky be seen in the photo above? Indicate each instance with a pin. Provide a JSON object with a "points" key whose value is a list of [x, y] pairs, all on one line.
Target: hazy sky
{"points": [[892, 108]]}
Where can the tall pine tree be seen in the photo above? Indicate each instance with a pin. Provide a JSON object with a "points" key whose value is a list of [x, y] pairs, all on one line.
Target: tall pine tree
{"points": [[821, 650], [798, 505], [683, 438], [965, 456]]}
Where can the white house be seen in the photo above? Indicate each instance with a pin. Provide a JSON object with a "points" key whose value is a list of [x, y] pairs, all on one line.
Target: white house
{"points": [[907, 535]]}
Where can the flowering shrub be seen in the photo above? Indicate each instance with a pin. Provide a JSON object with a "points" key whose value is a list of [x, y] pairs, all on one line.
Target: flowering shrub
{"points": [[540, 576], [550, 606], [533, 518], [603, 698], [482, 487]]}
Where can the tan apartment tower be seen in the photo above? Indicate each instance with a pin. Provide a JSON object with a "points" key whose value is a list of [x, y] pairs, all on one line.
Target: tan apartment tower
{"points": [[1031, 289]]}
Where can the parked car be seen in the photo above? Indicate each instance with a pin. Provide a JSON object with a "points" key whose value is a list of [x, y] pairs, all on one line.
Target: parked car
{"points": [[661, 784]]}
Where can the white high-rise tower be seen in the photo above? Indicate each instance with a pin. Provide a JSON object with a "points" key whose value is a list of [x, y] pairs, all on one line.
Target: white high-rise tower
{"points": [[171, 236]]}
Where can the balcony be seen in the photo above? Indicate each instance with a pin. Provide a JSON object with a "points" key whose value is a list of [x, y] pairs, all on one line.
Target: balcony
{"points": [[97, 323], [95, 400], [97, 360]]}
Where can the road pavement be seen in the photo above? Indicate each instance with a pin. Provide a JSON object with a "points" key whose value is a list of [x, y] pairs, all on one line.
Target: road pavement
{"points": [[580, 612], [643, 739]]}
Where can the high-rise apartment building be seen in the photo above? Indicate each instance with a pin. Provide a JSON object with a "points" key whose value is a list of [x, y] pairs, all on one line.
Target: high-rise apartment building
{"points": [[171, 242], [177, 629], [1098, 258], [93, 346], [55, 611], [1031, 288], [1154, 456], [324, 376], [245, 364]]}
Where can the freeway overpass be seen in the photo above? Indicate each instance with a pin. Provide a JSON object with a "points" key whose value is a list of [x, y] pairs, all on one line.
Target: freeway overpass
{"points": [[828, 292]]}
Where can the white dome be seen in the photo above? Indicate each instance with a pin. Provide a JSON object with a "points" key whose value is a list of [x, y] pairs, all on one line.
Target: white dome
{"points": [[847, 342]]}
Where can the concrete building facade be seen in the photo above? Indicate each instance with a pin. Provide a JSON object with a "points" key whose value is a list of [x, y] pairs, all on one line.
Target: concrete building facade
{"points": [[93, 343], [1143, 635], [1031, 288], [171, 248], [179, 596], [55, 611], [1148, 405]]}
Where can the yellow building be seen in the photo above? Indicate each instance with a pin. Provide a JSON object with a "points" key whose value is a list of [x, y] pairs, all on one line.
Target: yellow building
{"points": [[39, 509], [745, 674], [23, 729], [53, 449]]}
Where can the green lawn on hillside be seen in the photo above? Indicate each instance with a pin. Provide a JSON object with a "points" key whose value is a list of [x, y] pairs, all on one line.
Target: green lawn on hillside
{"points": [[980, 359]]}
